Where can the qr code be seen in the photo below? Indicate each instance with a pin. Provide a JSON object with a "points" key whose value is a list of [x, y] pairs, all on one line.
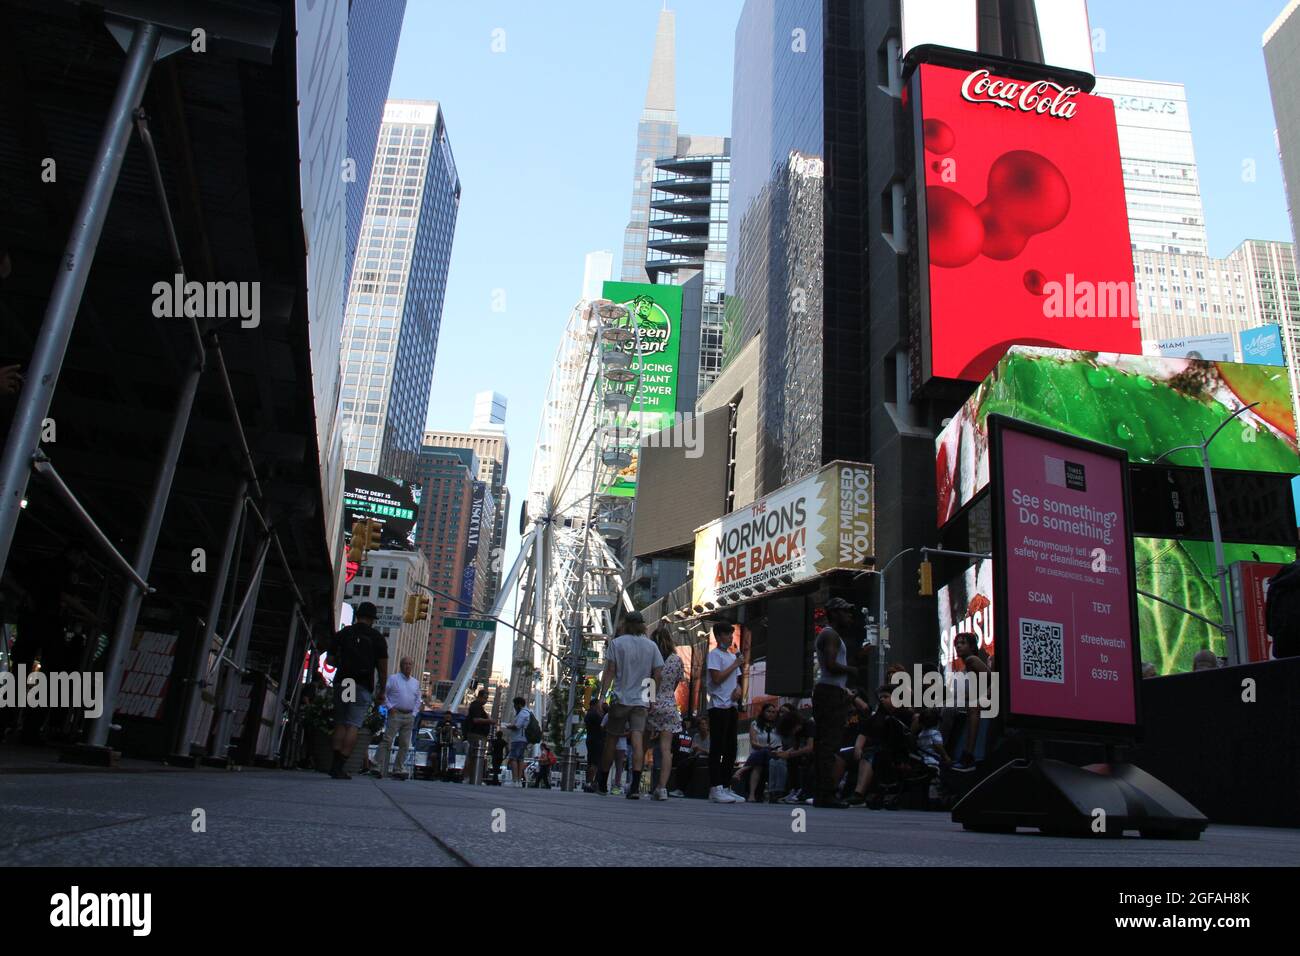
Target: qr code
{"points": [[1042, 650]]}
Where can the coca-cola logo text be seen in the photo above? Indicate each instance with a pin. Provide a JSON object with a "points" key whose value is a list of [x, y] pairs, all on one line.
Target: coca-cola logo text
{"points": [[1043, 97]]}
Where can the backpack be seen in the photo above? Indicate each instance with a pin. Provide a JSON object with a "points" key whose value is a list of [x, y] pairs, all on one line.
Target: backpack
{"points": [[1282, 611], [533, 732]]}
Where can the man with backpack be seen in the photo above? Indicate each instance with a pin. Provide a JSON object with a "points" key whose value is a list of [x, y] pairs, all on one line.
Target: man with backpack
{"points": [[524, 730], [357, 651]]}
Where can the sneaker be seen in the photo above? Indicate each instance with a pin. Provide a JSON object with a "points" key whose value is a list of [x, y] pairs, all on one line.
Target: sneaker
{"points": [[588, 788], [736, 798], [721, 795], [632, 794], [792, 797], [832, 804], [964, 765], [856, 800], [809, 801], [660, 794], [676, 793], [340, 774], [616, 791]]}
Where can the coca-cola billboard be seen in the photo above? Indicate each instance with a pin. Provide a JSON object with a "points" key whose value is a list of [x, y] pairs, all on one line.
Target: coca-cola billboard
{"points": [[1022, 221]]}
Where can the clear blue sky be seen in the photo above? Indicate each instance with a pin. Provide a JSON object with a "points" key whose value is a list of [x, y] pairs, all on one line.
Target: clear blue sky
{"points": [[544, 135]]}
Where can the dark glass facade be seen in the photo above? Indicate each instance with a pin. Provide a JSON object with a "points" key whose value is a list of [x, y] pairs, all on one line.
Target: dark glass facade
{"points": [[373, 30], [795, 271], [426, 286]]}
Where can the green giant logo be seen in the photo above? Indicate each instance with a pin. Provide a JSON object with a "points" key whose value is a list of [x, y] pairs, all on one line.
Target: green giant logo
{"points": [[657, 310]]}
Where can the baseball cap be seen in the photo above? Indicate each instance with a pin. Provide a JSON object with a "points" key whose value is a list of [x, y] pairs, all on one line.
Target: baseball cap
{"points": [[838, 604], [366, 609]]}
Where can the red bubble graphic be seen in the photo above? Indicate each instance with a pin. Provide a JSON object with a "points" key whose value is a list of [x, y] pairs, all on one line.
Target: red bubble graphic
{"points": [[1002, 241], [939, 137], [1029, 192], [1034, 281], [956, 230]]}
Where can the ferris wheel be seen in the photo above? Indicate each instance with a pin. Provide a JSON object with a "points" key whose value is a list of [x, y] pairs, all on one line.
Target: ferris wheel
{"points": [[569, 579]]}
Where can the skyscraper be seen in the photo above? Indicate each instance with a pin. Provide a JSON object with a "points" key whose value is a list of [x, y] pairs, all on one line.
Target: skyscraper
{"points": [[1282, 58], [656, 136], [394, 309], [687, 246], [454, 506], [1161, 181], [374, 27], [487, 440], [489, 412]]}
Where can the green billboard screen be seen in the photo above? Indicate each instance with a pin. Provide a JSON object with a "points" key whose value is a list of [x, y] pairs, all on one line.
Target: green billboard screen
{"points": [[657, 310]]}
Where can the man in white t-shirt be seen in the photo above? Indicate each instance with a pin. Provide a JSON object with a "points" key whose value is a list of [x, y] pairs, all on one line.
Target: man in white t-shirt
{"points": [[724, 694], [402, 692], [632, 668]]}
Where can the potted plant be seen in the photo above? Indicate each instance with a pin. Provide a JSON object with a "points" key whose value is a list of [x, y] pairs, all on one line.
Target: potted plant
{"points": [[318, 717]]}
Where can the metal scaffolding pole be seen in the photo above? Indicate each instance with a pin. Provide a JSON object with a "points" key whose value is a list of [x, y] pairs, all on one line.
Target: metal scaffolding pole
{"points": [[132, 596], [283, 700], [42, 373], [226, 696], [195, 683]]}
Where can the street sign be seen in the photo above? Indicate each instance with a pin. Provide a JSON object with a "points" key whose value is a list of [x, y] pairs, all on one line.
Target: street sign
{"points": [[469, 624]]}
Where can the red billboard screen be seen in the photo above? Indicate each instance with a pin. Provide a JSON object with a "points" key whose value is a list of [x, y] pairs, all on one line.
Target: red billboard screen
{"points": [[1022, 220], [1064, 580]]}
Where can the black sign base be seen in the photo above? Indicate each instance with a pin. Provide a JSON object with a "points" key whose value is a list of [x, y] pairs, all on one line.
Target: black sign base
{"points": [[1060, 799]]}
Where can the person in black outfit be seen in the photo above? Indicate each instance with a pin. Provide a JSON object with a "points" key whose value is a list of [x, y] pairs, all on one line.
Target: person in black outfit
{"points": [[357, 651], [498, 755], [595, 742], [477, 727]]}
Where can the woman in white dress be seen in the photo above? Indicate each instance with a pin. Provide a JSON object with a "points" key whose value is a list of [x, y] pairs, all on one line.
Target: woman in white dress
{"points": [[664, 720]]}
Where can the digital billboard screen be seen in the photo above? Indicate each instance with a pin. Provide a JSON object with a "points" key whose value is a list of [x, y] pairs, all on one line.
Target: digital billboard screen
{"points": [[657, 312], [1146, 405], [1064, 581], [388, 502], [1022, 221]]}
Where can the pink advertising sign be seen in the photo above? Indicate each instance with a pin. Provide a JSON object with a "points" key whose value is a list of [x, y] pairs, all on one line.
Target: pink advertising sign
{"points": [[1064, 577]]}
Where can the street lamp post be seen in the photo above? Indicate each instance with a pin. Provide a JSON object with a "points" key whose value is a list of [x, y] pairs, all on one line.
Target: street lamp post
{"points": [[882, 635], [1220, 568]]}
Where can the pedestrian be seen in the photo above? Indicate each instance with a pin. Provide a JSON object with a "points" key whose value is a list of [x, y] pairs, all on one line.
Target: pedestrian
{"points": [[402, 692], [519, 741], [358, 651], [966, 646], [724, 694], [477, 727], [633, 667], [446, 747], [498, 756], [664, 720], [831, 697], [595, 741]]}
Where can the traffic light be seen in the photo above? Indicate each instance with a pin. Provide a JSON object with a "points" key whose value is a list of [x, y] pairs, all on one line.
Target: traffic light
{"points": [[925, 579], [373, 530], [422, 607], [409, 611], [356, 544]]}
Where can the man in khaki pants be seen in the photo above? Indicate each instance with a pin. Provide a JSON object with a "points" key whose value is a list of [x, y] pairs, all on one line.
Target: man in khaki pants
{"points": [[477, 727], [403, 696]]}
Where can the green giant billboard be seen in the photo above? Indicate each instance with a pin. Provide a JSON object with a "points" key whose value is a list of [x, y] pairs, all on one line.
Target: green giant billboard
{"points": [[657, 311]]}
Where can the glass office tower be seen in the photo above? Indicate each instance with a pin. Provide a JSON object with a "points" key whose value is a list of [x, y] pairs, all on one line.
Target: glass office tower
{"points": [[795, 268], [395, 299], [373, 30]]}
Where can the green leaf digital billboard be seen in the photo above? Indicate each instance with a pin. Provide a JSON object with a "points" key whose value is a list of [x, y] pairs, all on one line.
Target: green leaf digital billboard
{"points": [[657, 311]]}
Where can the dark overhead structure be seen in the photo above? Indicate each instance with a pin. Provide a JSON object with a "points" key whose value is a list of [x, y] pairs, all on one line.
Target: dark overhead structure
{"points": [[179, 449]]}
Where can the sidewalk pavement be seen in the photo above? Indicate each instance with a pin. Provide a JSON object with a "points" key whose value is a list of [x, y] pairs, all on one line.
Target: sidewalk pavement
{"points": [[302, 818]]}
